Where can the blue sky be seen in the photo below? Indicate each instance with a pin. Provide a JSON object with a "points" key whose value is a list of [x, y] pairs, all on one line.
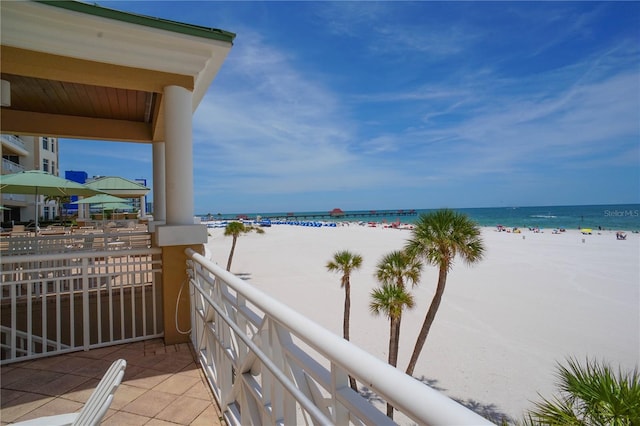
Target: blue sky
{"points": [[399, 105]]}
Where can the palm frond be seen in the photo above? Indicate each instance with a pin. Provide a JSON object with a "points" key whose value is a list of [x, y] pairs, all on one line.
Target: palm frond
{"points": [[390, 300], [593, 394], [344, 261]]}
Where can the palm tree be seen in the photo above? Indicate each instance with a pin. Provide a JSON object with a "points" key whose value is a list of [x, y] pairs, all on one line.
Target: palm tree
{"points": [[438, 237], [345, 262], [590, 395], [390, 300], [235, 229], [60, 200], [398, 266]]}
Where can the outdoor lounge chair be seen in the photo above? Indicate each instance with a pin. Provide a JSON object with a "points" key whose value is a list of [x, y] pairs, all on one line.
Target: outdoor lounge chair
{"points": [[96, 406]]}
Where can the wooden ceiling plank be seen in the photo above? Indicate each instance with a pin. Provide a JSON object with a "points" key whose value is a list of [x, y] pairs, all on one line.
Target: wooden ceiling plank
{"points": [[136, 103], [114, 107]]}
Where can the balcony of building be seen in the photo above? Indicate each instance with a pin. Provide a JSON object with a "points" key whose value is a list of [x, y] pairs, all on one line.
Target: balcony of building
{"points": [[9, 166], [14, 144], [75, 301]]}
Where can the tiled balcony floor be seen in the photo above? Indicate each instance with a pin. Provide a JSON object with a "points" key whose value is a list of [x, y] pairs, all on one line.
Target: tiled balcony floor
{"points": [[162, 385]]}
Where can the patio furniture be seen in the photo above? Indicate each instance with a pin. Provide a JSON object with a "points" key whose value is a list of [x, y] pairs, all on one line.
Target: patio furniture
{"points": [[96, 406]]}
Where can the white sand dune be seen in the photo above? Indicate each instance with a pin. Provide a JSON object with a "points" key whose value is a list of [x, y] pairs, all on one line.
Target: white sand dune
{"points": [[534, 300]]}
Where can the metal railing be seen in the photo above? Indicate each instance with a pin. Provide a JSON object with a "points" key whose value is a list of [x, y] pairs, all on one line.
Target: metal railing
{"points": [[268, 364], [22, 342], [58, 303], [11, 167], [13, 140], [64, 241]]}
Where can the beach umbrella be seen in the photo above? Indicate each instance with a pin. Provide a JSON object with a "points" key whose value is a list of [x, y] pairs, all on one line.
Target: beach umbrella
{"points": [[36, 182], [115, 206], [100, 199]]}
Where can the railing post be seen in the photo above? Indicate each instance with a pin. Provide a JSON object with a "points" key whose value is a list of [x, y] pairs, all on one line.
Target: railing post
{"points": [[339, 381], [86, 326], [14, 322]]}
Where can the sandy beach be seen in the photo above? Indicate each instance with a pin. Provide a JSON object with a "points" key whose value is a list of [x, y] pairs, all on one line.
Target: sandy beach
{"points": [[534, 300]]}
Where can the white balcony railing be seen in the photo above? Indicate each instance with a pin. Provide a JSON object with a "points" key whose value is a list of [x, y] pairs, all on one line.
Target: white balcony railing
{"points": [[268, 364], [11, 167], [14, 141], [51, 241], [64, 302]]}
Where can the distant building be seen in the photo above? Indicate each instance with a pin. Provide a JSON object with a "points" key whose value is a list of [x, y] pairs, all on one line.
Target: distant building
{"points": [[79, 177], [21, 153]]}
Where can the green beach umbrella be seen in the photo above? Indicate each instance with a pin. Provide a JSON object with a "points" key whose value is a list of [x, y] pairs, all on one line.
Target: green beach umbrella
{"points": [[36, 182], [100, 199]]}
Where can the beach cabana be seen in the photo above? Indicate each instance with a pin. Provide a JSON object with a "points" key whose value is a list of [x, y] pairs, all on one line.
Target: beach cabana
{"points": [[105, 202], [121, 188]]}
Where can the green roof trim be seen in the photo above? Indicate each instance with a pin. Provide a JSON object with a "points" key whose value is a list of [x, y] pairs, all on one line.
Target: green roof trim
{"points": [[115, 183], [148, 21]]}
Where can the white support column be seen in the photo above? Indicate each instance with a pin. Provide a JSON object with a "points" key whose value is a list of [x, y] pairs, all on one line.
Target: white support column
{"points": [[178, 158], [81, 210], [178, 155], [143, 206], [159, 186], [179, 232]]}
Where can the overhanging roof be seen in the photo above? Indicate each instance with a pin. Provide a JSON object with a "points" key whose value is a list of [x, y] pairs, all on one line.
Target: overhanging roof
{"points": [[118, 186], [79, 70]]}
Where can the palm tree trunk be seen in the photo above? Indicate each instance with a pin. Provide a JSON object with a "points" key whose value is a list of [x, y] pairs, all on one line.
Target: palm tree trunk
{"points": [[394, 340], [233, 247], [347, 309], [345, 323], [428, 320]]}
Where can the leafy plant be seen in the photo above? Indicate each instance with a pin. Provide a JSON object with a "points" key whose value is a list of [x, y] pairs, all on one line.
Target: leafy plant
{"points": [[59, 200], [590, 394]]}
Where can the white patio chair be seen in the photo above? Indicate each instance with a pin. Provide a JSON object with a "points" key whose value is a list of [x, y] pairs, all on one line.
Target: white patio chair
{"points": [[96, 406]]}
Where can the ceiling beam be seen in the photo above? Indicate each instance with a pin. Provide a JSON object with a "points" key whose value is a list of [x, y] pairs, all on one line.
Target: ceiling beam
{"points": [[66, 126], [30, 63]]}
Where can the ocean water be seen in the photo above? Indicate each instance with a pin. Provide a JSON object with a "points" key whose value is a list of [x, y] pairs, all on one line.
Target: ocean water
{"points": [[613, 217]]}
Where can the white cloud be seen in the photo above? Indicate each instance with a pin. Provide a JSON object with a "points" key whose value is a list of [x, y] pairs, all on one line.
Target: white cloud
{"points": [[277, 130]]}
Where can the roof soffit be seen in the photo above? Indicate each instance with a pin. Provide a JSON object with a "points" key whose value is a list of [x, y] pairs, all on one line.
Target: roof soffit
{"points": [[40, 27], [59, 44]]}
